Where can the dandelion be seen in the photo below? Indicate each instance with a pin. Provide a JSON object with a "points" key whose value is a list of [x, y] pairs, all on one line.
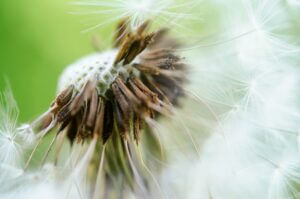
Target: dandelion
{"points": [[107, 99], [109, 131]]}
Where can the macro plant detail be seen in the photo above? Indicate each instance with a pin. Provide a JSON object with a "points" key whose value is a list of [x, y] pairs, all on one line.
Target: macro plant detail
{"points": [[173, 99], [142, 78], [109, 98]]}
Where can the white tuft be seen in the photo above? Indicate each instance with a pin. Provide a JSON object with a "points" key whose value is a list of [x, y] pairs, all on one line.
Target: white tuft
{"points": [[137, 11], [10, 149]]}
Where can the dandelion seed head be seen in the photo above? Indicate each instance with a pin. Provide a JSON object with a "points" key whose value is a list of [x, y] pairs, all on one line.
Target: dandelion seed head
{"points": [[98, 67], [106, 100]]}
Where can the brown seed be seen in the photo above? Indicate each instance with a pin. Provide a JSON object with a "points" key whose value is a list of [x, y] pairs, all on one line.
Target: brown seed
{"points": [[147, 69], [122, 30], [84, 130], [46, 121], [144, 88], [108, 121], [125, 90], [143, 27], [140, 95], [121, 122], [154, 87], [64, 125], [124, 48], [133, 45], [65, 96], [133, 50], [138, 45], [120, 99], [92, 110], [63, 114], [82, 96], [157, 54], [150, 99], [99, 119], [72, 130]]}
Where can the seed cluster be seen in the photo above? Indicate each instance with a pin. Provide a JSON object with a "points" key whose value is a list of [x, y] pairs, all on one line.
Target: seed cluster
{"points": [[151, 87]]}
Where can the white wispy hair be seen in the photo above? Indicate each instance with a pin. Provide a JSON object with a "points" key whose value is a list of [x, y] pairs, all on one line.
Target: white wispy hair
{"points": [[10, 149], [136, 12], [250, 84], [244, 126], [293, 2], [261, 24], [50, 181], [47, 182], [240, 160], [12, 138], [14, 141]]}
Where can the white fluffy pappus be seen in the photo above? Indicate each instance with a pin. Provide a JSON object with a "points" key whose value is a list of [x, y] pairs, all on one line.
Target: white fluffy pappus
{"points": [[259, 28], [251, 84], [47, 182], [163, 12], [293, 2], [239, 161], [13, 139], [63, 181], [248, 93]]}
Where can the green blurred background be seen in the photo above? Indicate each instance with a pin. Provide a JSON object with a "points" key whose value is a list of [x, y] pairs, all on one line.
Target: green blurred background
{"points": [[38, 39]]}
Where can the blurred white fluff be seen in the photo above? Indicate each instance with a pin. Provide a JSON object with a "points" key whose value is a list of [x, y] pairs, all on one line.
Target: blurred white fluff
{"points": [[251, 84], [13, 140], [263, 23], [65, 181], [164, 12], [48, 182], [293, 2], [15, 183], [244, 128]]}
